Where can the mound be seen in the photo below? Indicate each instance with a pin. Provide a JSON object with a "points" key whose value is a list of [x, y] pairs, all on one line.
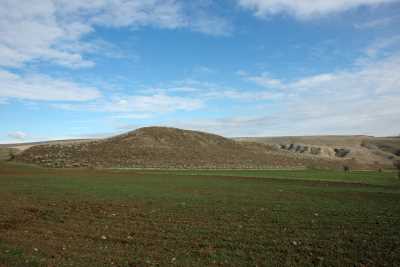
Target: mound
{"points": [[160, 147]]}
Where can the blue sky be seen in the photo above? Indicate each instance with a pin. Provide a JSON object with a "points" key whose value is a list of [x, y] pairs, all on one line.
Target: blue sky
{"points": [[80, 68]]}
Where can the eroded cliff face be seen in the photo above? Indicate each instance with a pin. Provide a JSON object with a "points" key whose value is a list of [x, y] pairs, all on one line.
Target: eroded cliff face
{"points": [[363, 149]]}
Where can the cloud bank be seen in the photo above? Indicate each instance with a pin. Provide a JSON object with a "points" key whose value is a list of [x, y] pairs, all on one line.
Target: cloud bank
{"points": [[43, 88], [305, 9], [18, 135], [53, 30]]}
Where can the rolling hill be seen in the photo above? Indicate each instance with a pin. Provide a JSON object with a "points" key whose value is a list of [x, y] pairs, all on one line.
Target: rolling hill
{"points": [[161, 147]]}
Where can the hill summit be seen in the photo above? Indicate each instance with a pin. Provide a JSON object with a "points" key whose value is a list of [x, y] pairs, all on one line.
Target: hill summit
{"points": [[160, 147], [166, 138]]}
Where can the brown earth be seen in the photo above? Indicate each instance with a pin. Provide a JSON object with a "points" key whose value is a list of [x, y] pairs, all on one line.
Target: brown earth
{"points": [[138, 218], [160, 147]]}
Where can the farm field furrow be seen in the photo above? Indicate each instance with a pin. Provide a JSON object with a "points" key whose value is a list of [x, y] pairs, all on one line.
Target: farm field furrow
{"points": [[197, 218]]}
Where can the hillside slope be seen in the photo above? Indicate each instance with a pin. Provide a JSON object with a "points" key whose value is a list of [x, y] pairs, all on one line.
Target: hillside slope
{"points": [[7, 153], [363, 149], [160, 147]]}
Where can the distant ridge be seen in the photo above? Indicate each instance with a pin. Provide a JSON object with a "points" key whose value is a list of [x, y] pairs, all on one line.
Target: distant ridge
{"points": [[24, 145]]}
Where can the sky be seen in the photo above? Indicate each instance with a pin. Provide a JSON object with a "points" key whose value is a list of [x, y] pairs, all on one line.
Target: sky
{"points": [[95, 68]]}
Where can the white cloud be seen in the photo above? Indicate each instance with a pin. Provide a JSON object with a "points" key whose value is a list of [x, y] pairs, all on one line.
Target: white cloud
{"points": [[241, 95], [18, 135], [206, 91], [212, 25], [122, 13], [264, 80], [364, 100], [30, 31], [53, 30], [305, 9], [136, 116], [148, 104], [154, 103], [313, 81], [381, 46], [40, 87], [377, 23]]}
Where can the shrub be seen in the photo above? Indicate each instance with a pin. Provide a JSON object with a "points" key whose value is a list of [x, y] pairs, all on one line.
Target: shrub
{"points": [[397, 166]]}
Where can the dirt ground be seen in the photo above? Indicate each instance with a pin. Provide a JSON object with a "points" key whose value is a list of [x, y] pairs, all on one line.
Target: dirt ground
{"points": [[139, 218]]}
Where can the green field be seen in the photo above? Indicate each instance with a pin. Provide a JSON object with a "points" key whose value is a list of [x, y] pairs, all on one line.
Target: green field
{"points": [[198, 218]]}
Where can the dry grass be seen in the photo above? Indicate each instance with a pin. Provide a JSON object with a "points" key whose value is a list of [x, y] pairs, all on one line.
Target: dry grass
{"points": [[166, 148]]}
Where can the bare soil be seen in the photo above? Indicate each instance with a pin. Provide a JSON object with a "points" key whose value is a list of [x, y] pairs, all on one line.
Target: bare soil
{"points": [[138, 218]]}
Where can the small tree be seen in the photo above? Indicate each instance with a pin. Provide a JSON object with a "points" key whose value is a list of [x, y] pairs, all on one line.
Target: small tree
{"points": [[346, 168], [11, 155], [397, 166]]}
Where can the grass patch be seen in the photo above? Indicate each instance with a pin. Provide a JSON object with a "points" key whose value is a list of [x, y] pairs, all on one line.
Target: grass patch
{"points": [[198, 218], [365, 177]]}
